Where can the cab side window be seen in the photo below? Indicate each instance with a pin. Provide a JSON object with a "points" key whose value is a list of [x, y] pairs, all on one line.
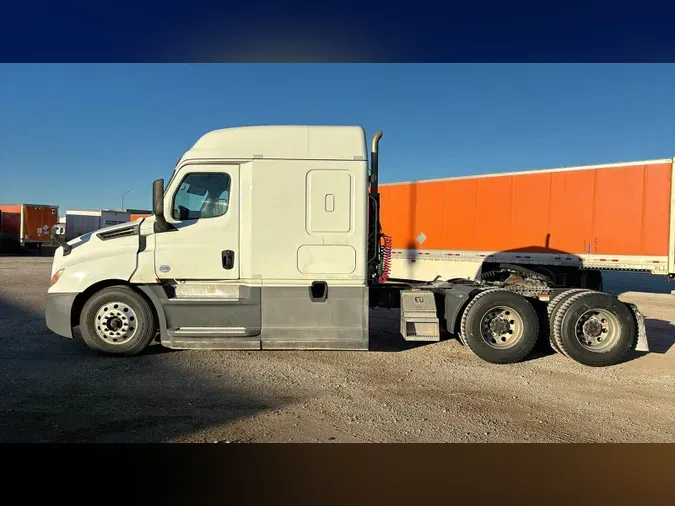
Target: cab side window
{"points": [[202, 195]]}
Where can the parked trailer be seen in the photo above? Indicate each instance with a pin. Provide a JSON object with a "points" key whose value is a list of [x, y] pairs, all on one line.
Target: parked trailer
{"points": [[25, 225], [568, 224], [270, 238], [136, 216], [80, 221]]}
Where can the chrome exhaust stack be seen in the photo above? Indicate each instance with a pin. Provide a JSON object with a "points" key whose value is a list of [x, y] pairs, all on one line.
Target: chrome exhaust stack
{"points": [[375, 162], [374, 207]]}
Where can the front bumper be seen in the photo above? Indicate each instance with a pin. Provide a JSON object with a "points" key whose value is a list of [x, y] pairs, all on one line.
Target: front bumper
{"points": [[57, 313]]}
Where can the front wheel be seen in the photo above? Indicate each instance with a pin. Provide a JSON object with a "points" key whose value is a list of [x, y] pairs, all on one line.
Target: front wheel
{"points": [[117, 321], [500, 326]]}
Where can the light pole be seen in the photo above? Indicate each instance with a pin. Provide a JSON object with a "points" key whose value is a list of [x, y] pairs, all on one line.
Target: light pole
{"points": [[123, 200]]}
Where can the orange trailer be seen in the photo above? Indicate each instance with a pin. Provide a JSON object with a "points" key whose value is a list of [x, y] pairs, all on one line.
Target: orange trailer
{"points": [[135, 216], [560, 222], [24, 224]]}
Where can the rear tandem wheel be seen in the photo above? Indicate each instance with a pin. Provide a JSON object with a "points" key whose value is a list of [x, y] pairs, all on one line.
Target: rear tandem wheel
{"points": [[594, 329], [499, 326], [552, 311]]}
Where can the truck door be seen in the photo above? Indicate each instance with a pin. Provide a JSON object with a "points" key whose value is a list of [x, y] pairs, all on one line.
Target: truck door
{"points": [[202, 202]]}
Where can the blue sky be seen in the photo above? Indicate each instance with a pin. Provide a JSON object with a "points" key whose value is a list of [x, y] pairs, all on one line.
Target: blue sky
{"points": [[78, 136]]}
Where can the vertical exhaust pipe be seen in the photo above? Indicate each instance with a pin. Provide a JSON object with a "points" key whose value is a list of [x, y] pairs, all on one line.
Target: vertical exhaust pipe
{"points": [[375, 162], [374, 207]]}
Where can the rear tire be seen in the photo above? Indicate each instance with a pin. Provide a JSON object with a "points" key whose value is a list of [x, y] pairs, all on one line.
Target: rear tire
{"points": [[117, 321], [499, 326], [594, 329], [552, 311], [461, 328]]}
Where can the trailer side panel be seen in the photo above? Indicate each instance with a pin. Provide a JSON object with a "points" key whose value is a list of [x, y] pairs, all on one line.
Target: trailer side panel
{"points": [[11, 221], [614, 217]]}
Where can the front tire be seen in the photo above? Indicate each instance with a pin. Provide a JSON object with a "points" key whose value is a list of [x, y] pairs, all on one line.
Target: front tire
{"points": [[594, 329], [117, 321], [499, 326]]}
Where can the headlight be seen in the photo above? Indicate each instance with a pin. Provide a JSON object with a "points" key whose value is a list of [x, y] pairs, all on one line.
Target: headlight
{"points": [[55, 277]]}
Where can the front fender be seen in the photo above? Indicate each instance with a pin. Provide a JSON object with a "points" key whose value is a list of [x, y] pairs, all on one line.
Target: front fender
{"points": [[94, 262]]}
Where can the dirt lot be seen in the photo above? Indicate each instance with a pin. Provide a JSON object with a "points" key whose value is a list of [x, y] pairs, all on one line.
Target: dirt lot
{"points": [[54, 389]]}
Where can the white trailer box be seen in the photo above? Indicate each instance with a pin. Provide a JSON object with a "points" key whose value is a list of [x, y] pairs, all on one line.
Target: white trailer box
{"points": [[80, 221]]}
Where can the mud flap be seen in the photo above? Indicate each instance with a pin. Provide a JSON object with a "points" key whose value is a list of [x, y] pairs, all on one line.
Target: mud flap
{"points": [[642, 344]]}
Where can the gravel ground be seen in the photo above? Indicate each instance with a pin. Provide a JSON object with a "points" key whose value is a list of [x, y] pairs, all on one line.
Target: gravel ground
{"points": [[53, 389]]}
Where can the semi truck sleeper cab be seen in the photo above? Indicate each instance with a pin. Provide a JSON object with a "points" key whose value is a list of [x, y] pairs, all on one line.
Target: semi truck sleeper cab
{"points": [[269, 237]]}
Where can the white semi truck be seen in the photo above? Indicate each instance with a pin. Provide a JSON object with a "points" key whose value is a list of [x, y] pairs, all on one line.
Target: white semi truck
{"points": [[268, 237]]}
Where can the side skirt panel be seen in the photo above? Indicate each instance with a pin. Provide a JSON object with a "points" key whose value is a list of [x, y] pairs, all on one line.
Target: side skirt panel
{"points": [[271, 318], [292, 320]]}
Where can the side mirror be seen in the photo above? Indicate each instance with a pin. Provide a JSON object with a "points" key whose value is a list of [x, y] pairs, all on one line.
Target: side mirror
{"points": [[58, 234], [161, 224]]}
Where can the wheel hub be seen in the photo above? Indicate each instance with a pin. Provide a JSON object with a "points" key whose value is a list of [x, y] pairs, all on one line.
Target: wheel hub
{"points": [[115, 322], [499, 325], [597, 330], [593, 328]]}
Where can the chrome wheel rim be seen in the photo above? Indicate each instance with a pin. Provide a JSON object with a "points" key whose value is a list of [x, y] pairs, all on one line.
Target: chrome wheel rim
{"points": [[597, 330], [501, 327], [115, 323]]}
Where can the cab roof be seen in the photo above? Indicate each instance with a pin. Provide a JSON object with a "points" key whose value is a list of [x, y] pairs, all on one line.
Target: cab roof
{"points": [[289, 142]]}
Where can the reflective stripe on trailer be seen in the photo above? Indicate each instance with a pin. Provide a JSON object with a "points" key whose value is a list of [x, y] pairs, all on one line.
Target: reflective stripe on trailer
{"points": [[656, 265]]}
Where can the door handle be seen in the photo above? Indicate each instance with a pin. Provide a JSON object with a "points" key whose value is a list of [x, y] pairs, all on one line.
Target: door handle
{"points": [[228, 259]]}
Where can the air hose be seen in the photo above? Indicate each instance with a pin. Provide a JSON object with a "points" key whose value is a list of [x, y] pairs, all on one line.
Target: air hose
{"points": [[384, 267]]}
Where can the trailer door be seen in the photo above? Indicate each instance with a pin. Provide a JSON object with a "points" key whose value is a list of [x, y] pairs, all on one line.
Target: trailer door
{"points": [[203, 204]]}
